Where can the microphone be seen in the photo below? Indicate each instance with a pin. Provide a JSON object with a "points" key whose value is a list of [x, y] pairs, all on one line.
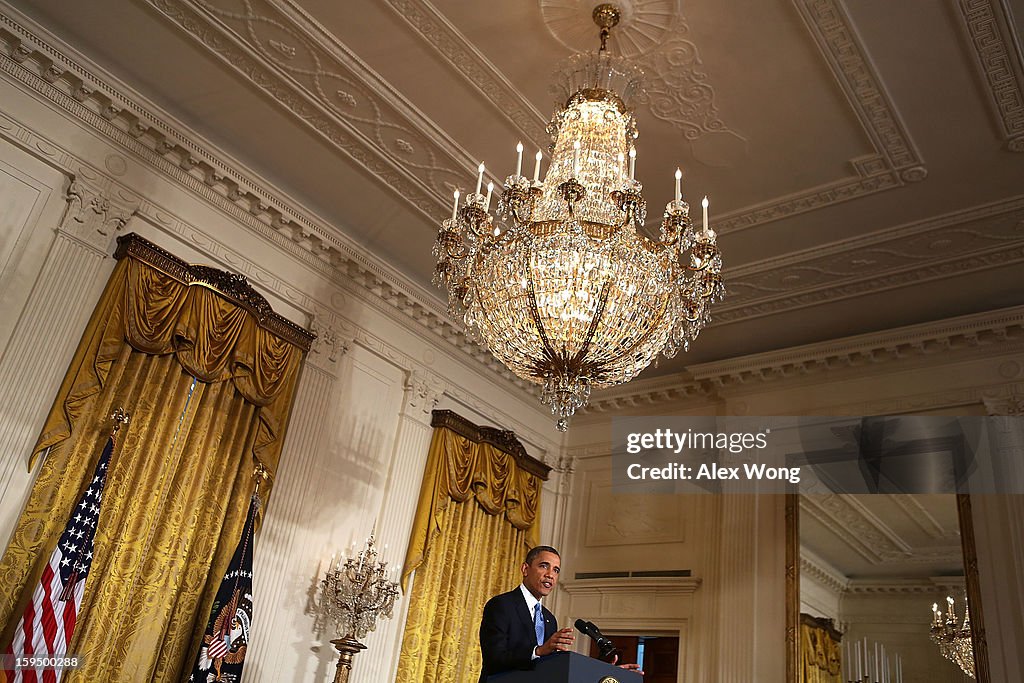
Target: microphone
{"points": [[604, 644]]}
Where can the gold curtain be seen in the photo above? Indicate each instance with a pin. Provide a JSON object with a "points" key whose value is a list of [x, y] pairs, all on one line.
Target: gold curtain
{"points": [[820, 652], [478, 514], [209, 391]]}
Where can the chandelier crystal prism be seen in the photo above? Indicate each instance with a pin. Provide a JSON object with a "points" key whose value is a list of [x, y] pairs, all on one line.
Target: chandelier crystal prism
{"points": [[562, 285]]}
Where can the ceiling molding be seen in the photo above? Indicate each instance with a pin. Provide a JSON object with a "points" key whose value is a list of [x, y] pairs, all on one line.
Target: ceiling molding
{"points": [[857, 527], [453, 47], [31, 56], [969, 240], [997, 56], [817, 569], [929, 586], [1000, 331], [894, 163], [924, 520], [896, 160], [990, 328], [375, 127]]}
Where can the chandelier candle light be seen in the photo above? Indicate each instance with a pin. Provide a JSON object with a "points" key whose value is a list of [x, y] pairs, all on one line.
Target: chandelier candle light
{"points": [[571, 295], [954, 642], [355, 593]]}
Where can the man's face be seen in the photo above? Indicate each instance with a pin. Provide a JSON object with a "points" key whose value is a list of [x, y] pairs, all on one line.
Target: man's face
{"points": [[541, 575]]}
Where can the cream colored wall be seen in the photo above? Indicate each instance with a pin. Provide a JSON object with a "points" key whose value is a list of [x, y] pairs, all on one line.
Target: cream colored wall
{"points": [[72, 180], [732, 624]]}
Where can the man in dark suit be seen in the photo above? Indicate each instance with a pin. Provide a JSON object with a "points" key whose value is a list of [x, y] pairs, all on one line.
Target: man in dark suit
{"points": [[516, 628]]}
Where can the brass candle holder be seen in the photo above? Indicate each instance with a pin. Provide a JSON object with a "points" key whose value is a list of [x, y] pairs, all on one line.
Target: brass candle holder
{"points": [[355, 594]]}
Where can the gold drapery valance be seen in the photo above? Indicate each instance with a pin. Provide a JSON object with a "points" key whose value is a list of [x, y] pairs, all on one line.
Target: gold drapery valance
{"points": [[217, 327], [467, 461], [208, 373], [820, 651]]}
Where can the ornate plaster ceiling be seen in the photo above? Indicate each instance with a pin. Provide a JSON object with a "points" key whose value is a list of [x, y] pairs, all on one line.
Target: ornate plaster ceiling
{"points": [[865, 160]]}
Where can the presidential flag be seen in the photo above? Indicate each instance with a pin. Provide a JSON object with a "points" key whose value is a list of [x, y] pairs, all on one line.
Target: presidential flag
{"points": [[49, 619], [226, 638]]}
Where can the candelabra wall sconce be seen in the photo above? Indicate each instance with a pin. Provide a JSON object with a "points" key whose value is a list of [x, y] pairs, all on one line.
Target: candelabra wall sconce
{"points": [[954, 641], [870, 663], [355, 593]]}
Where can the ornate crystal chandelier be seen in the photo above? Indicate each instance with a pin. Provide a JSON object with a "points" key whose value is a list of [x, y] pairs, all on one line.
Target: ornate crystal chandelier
{"points": [[564, 288], [954, 642], [355, 593]]}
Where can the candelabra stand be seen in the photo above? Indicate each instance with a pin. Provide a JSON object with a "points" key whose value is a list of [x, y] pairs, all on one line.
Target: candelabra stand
{"points": [[355, 593], [866, 664]]}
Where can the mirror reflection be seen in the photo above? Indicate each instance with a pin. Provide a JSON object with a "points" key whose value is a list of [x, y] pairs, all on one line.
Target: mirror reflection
{"points": [[871, 569]]}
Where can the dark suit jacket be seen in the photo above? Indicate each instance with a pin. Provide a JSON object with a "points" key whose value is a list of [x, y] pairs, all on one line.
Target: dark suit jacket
{"points": [[507, 635]]}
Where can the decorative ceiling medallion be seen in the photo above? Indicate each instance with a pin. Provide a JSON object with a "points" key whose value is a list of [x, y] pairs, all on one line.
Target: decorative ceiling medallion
{"points": [[651, 34], [642, 27]]}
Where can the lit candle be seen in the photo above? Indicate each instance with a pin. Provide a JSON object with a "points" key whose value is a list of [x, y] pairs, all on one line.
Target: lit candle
{"points": [[455, 209], [480, 178], [935, 613], [519, 158], [704, 203], [899, 669], [877, 671], [858, 660], [536, 167], [490, 188], [679, 178], [632, 163], [622, 166], [576, 158], [330, 567]]}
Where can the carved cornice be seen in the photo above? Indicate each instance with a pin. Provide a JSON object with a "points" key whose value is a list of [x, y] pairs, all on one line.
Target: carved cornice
{"points": [[978, 238], [233, 287], [502, 439], [992, 328], [116, 112], [982, 334], [930, 586], [990, 33], [818, 569]]}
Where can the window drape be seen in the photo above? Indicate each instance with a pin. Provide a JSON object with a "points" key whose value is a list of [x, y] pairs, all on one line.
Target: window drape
{"points": [[820, 651], [478, 514], [209, 389]]}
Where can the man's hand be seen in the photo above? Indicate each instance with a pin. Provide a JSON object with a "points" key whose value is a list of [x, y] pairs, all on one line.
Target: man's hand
{"points": [[630, 667], [559, 641]]}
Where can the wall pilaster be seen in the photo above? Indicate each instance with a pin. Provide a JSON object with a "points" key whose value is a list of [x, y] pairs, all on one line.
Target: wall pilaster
{"points": [[50, 325], [412, 442], [290, 543]]}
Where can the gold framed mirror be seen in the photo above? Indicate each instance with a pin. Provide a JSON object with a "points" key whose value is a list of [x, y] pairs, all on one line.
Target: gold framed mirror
{"points": [[794, 663]]}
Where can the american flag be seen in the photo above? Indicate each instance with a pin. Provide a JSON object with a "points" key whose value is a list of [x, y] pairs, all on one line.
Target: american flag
{"points": [[49, 618]]}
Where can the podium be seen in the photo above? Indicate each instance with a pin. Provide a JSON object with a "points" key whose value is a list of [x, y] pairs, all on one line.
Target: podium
{"points": [[568, 667]]}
